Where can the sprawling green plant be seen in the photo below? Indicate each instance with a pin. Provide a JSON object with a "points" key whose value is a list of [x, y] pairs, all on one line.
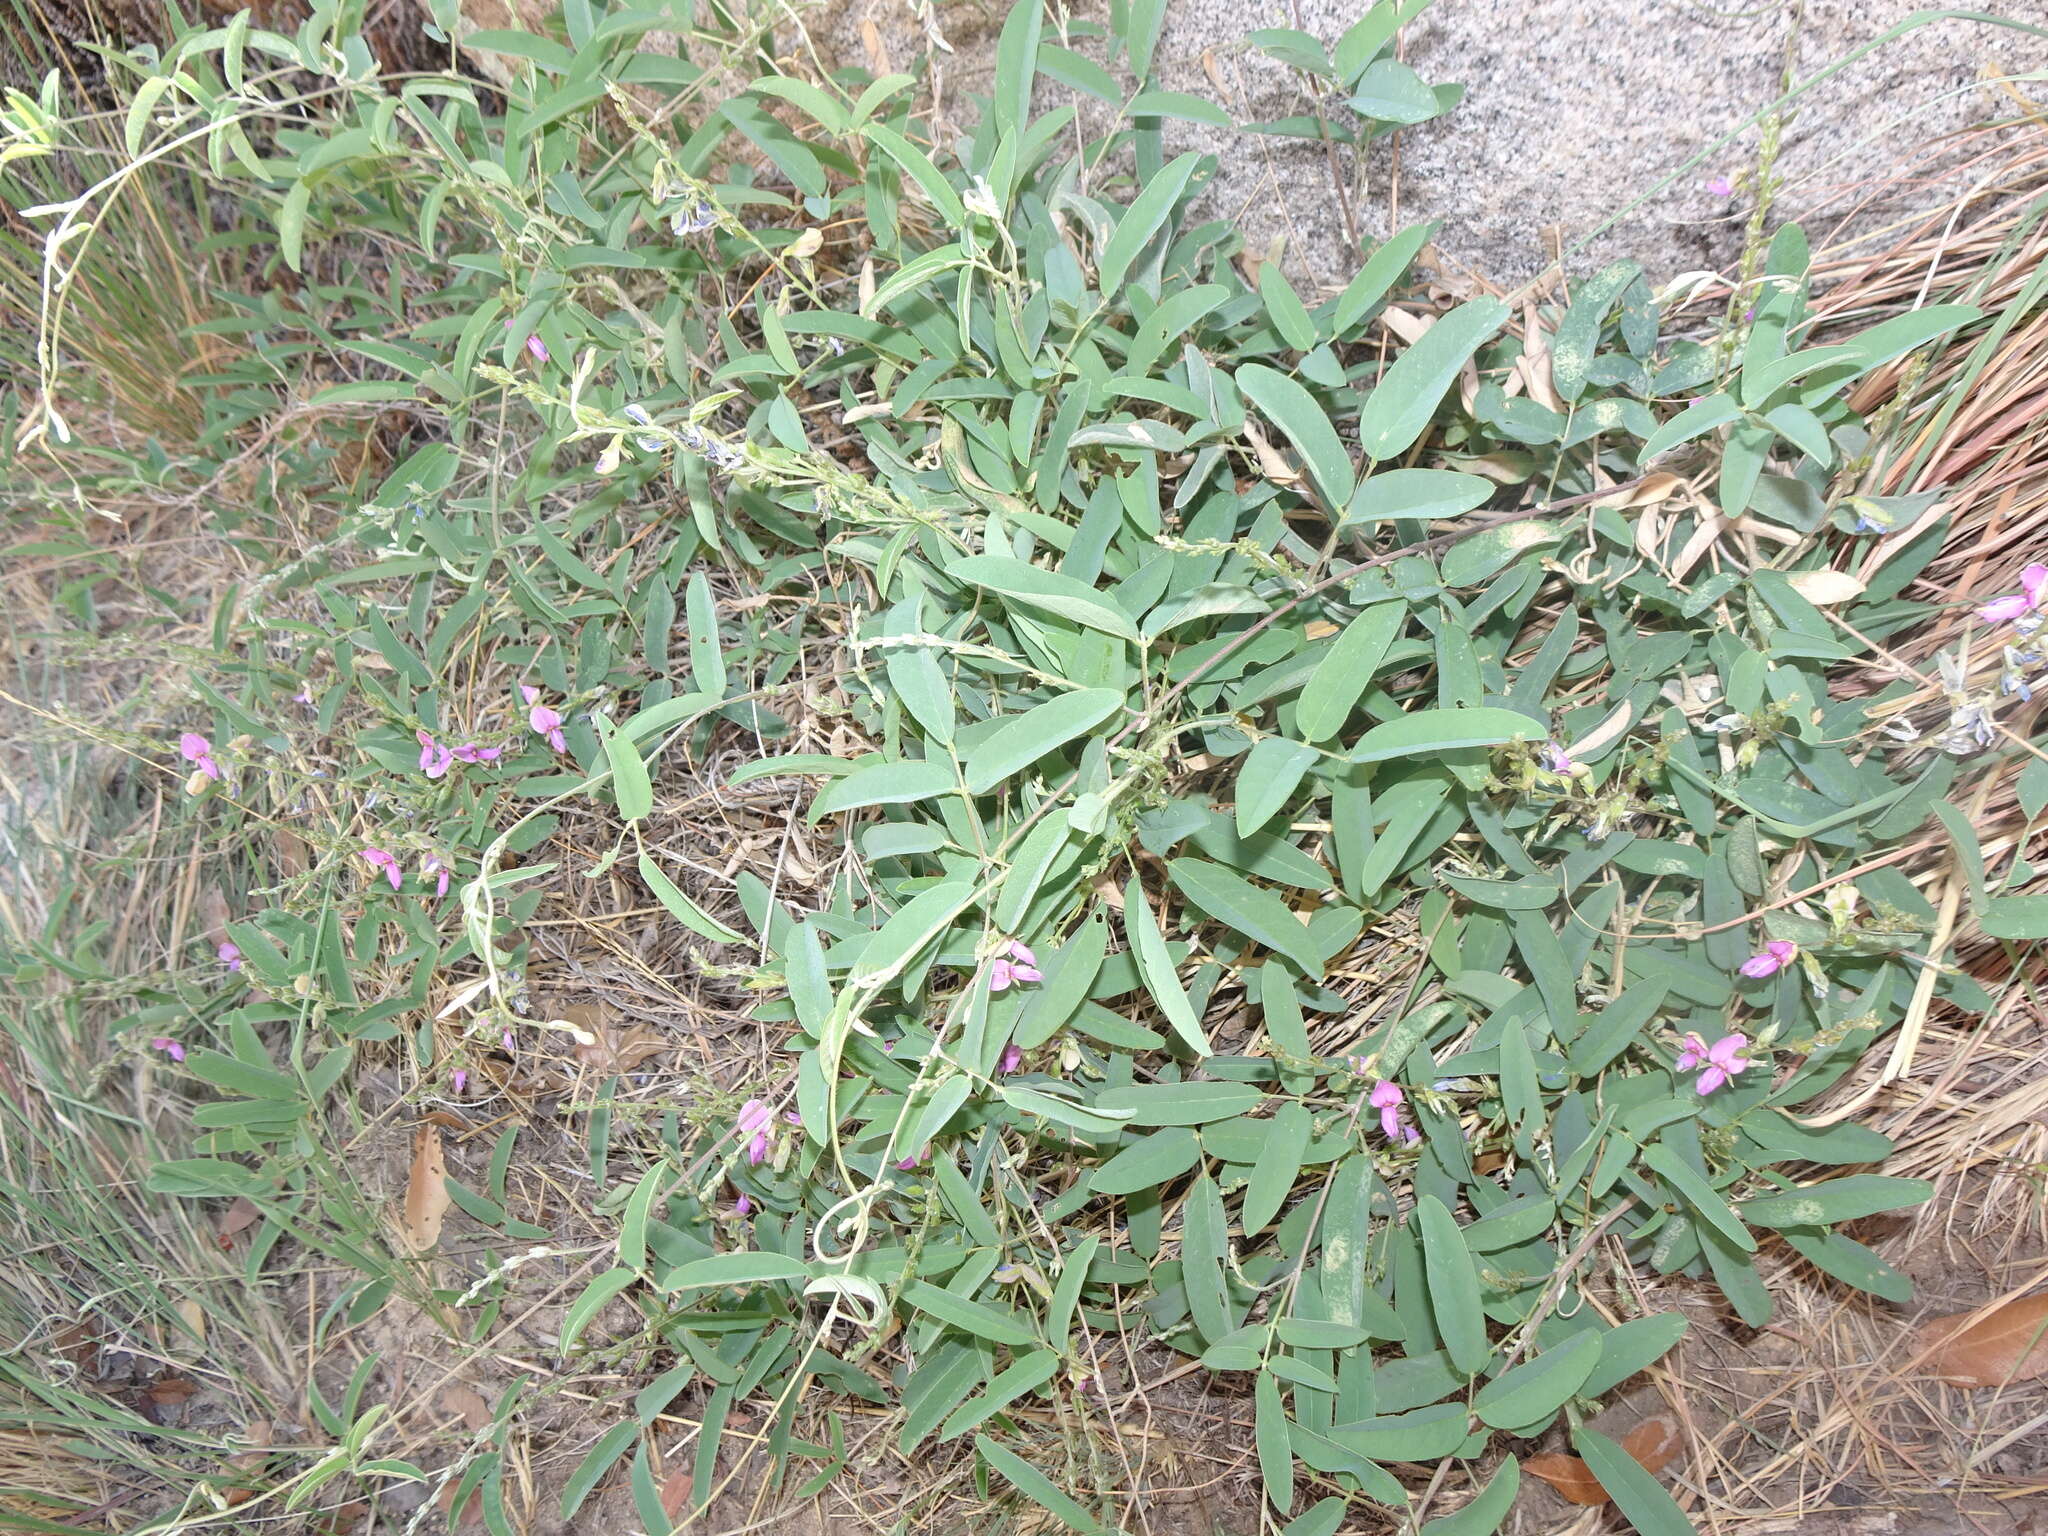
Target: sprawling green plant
{"points": [[1341, 834]]}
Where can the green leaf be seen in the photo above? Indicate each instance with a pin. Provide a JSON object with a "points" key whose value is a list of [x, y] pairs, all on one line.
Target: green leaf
{"points": [[1025, 1374], [1641, 1499], [1631, 1347], [1428, 732], [1155, 965], [1039, 588], [1036, 1486], [1259, 915], [1453, 1287], [1141, 221], [1016, 65], [1484, 1514], [1023, 739], [1578, 336], [919, 168], [1279, 1165], [1147, 1164], [1692, 1187], [1179, 1103], [1191, 109], [999, 1325], [897, 783], [1406, 397], [611, 1445], [1696, 420], [1342, 676], [2015, 917], [1484, 555], [587, 1305], [1294, 411], [1390, 92], [1417, 493], [682, 909], [1850, 1199], [1267, 780], [1285, 309], [1321, 1520], [1534, 1390], [1375, 280], [707, 661], [753, 1267], [1269, 1435], [631, 787]]}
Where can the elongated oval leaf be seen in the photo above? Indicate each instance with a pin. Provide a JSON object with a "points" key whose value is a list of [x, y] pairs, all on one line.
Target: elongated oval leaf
{"points": [[1346, 670], [1148, 1163], [1259, 915], [1453, 1287], [1531, 1392], [1295, 412], [1023, 739], [1141, 221], [1179, 1103], [1427, 732], [1408, 393]]}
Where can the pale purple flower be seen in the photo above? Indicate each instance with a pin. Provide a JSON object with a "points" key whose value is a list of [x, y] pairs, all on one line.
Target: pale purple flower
{"points": [[743, 1207], [470, 752], [1722, 1060], [1720, 186], [1013, 1058], [506, 1041], [168, 1046], [435, 867], [304, 695], [542, 720], [434, 758], [753, 1122], [1770, 960], [1555, 758], [461, 1081], [534, 345], [230, 956], [195, 748], [378, 858], [1388, 1098], [1014, 962]]}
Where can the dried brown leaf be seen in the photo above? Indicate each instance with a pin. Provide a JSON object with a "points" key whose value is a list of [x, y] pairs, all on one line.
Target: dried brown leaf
{"points": [[1990, 1346], [240, 1214], [426, 1191], [468, 1403], [1653, 1443], [675, 1493]]}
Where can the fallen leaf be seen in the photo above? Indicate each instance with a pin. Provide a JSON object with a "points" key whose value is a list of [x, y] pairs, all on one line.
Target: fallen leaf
{"points": [[447, 1120], [75, 1341], [1990, 1347], [469, 1404], [613, 1051], [675, 1492], [190, 1342], [1653, 1443], [426, 1191], [1648, 491], [240, 1214]]}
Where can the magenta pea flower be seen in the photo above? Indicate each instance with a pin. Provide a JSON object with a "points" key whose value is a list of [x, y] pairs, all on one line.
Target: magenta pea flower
{"points": [[904, 1165], [1388, 1098], [461, 1081], [1722, 1060], [506, 1041], [195, 748], [743, 1207], [1014, 962], [753, 1122], [2032, 596], [1555, 758], [1720, 186], [1770, 960], [534, 345], [1013, 1058], [379, 859], [230, 956], [436, 868], [434, 758], [168, 1046], [543, 721]]}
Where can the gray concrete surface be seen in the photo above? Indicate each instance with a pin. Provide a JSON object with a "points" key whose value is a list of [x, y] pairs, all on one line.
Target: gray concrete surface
{"points": [[1573, 109]]}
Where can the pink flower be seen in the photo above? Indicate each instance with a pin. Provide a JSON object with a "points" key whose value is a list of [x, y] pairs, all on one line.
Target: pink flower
{"points": [[168, 1046], [908, 1163], [1014, 962], [434, 758], [434, 866], [543, 721], [2032, 596], [230, 956], [1720, 186], [1013, 1058], [377, 858], [743, 1206], [1773, 958], [1555, 758], [753, 1122], [538, 348], [1694, 1052], [506, 1041], [461, 1080], [470, 752], [195, 748], [1723, 1060], [1388, 1098]]}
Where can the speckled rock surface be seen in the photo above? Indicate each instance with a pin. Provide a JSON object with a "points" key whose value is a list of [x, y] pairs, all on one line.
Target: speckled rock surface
{"points": [[1573, 110]]}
